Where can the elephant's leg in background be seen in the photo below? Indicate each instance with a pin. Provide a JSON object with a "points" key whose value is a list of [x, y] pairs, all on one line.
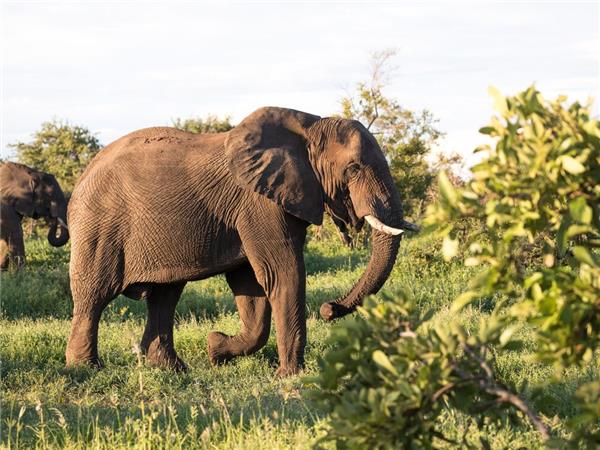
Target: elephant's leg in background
{"points": [[12, 246], [255, 315], [157, 342], [275, 251], [3, 254]]}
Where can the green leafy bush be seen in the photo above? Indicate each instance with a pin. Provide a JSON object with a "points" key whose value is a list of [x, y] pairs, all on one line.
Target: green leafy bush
{"points": [[395, 371], [539, 182], [209, 124]]}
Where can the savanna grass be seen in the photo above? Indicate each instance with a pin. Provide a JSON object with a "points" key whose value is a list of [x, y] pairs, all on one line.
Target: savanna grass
{"points": [[239, 405]]}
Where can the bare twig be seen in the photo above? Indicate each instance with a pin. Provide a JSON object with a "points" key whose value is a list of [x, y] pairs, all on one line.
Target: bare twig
{"points": [[506, 396], [376, 109], [441, 391], [503, 395]]}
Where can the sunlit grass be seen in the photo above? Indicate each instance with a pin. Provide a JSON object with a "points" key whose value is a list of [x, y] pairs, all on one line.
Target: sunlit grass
{"points": [[239, 405]]}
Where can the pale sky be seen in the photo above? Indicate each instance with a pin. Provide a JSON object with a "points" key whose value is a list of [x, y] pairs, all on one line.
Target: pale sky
{"points": [[119, 66]]}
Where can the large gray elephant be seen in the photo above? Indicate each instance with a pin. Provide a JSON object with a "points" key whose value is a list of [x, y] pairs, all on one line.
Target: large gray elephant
{"points": [[28, 192], [160, 207]]}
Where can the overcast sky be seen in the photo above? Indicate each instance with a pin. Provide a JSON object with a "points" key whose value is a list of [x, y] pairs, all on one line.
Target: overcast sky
{"points": [[118, 66]]}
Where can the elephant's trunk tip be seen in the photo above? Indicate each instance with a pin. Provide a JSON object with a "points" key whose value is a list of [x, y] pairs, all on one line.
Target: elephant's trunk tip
{"points": [[330, 311]]}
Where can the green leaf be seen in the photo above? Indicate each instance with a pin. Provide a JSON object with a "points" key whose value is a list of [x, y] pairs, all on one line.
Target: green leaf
{"points": [[580, 211], [447, 189], [562, 239], [571, 165], [507, 334], [500, 103], [382, 360], [463, 300], [487, 130], [583, 255]]}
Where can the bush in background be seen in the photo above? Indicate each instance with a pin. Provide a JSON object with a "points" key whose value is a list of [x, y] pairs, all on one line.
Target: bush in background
{"points": [[209, 124], [61, 149]]}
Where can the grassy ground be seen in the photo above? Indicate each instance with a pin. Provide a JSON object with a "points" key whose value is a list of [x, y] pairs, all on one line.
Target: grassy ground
{"points": [[240, 405]]}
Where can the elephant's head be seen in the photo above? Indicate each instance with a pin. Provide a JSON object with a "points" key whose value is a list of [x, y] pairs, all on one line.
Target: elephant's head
{"points": [[309, 165], [38, 194]]}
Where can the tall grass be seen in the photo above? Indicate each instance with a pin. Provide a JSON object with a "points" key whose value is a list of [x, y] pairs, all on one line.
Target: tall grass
{"points": [[239, 405]]}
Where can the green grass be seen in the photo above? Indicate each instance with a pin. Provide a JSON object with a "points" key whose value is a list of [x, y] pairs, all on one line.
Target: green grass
{"points": [[239, 405]]}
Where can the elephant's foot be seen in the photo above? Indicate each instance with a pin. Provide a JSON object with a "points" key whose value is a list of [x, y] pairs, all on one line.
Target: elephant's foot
{"points": [[287, 371], [74, 360], [158, 355], [82, 352], [218, 348]]}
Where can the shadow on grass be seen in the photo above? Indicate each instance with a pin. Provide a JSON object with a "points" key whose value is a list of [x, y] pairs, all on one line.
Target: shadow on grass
{"points": [[41, 290], [318, 260]]}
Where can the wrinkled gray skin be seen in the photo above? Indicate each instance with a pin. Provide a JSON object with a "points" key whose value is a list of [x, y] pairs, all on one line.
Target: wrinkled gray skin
{"points": [[160, 207], [28, 192]]}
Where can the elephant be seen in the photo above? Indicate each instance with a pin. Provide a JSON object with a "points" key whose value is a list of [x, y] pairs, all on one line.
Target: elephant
{"points": [[28, 192], [160, 207]]}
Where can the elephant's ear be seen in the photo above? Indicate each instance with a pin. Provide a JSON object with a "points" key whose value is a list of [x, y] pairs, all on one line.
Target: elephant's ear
{"points": [[267, 153], [25, 200]]}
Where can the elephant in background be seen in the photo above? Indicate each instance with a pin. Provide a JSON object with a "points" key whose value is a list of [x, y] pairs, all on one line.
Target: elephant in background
{"points": [[160, 207], [28, 192]]}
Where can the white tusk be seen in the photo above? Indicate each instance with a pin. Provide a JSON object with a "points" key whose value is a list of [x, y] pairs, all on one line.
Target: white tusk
{"points": [[62, 223], [378, 225]]}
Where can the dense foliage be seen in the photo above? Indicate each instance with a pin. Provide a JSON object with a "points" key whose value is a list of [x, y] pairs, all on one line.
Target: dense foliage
{"points": [[540, 183], [538, 186], [395, 371], [61, 149], [209, 124]]}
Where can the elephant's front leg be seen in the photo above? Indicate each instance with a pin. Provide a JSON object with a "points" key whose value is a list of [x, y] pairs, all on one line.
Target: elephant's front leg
{"points": [[288, 302], [275, 251], [255, 315]]}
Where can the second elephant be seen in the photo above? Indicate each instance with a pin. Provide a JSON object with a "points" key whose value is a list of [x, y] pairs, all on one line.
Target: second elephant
{"points": [[31, 193], [160, 207]]}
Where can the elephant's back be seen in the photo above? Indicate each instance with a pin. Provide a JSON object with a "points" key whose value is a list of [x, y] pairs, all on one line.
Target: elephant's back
{"points": [[149, 153], [139, 170], [146, 143]]}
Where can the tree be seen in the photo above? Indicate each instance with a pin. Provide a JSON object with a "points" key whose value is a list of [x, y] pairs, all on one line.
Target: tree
{"points": [[406, 137], [61, 149], [210, 124]]}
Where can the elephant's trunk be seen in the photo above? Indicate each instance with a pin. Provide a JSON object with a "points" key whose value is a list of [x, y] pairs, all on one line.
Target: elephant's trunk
{"points": [[383, 256], [60, 239]]}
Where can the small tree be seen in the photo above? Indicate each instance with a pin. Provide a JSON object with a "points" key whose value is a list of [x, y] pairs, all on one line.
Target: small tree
{"points": [[406, 137], [210, 124], [59, 148]]}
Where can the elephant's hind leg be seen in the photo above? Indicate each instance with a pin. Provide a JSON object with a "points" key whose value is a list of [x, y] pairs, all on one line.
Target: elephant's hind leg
{"points": [[157, 342], [255, 315], [82, 347]]}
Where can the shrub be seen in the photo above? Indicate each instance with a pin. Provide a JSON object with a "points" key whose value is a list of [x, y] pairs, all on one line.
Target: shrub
{"points": [[396, 371]]}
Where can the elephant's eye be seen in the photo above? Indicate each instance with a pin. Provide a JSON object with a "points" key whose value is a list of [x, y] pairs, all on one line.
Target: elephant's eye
{"points": [[351, 171]]}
